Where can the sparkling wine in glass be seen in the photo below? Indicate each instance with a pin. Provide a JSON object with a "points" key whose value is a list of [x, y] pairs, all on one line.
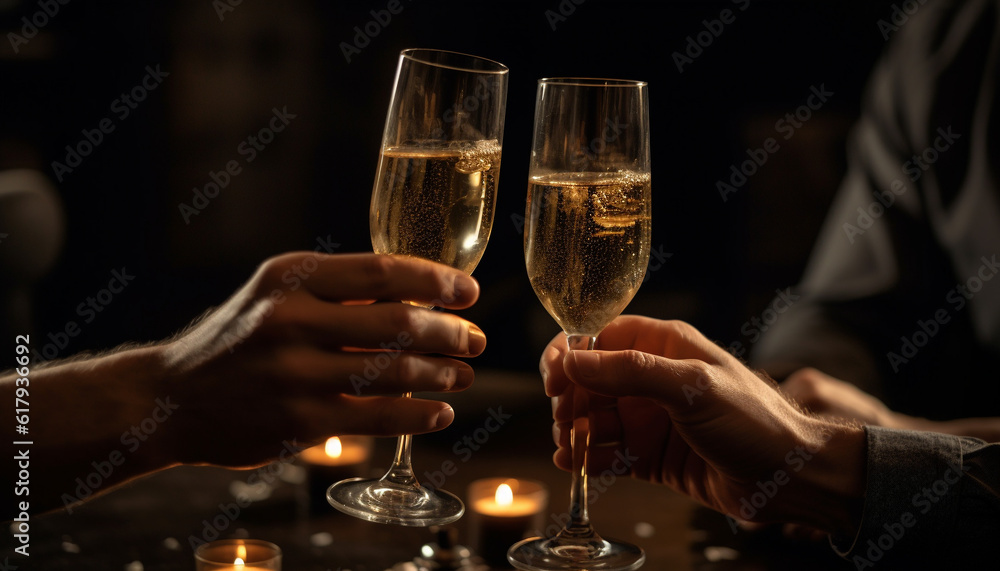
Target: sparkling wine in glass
{"points": [[586, 248], [434, 197]]}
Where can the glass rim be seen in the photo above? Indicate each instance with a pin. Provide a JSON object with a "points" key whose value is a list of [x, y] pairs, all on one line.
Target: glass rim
{"points": [[201, 556], [411, 54], [592, 82]]}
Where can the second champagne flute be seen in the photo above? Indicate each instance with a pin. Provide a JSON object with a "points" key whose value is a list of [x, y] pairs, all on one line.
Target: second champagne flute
{"points": [[434, 197], [586, 247]]}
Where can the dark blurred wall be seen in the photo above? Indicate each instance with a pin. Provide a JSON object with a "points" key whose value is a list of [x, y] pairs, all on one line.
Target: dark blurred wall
{"points": [[229, 75]]}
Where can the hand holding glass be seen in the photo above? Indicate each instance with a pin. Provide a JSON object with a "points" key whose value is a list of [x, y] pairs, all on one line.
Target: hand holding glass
{"points": [[586, 247], [434, 197]]}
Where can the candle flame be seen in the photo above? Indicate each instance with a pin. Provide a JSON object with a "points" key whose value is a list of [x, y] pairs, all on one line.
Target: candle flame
{"points": [[333, 447], [505, 496], [241, 555]]}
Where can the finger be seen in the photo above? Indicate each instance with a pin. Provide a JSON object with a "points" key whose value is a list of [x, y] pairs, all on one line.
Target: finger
{"points": [[650, 376], [560, 433], [377, 416], [605, 426], [563, 458], [387, 326], [810, 388], [319, 372], [673, 339], [551, 366], [562, 407], [372, 276], [601, 460], [600, 457]]}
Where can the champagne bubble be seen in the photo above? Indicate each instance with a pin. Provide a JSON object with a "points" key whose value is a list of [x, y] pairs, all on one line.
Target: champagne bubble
{"points": [[477, 156], [618, 205], [473, 164]]}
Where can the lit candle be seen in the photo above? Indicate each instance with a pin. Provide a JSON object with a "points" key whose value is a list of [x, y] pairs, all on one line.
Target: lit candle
{"points": [[502, 512], [241, 556], [238, 555], [341, 457]]}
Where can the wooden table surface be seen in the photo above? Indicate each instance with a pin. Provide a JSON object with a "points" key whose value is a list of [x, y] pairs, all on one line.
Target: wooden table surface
{"points": [[149, 524]]}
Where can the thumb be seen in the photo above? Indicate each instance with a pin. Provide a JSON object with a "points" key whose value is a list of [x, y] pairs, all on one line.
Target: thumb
{"points": [[637, 374]]}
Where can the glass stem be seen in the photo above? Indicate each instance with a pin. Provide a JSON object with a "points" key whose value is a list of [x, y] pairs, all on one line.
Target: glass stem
{"points": [[401, 471], [579, 525]]}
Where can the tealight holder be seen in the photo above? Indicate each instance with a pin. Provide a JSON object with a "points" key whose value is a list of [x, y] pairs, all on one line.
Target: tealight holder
{"points": [[238, 555]]}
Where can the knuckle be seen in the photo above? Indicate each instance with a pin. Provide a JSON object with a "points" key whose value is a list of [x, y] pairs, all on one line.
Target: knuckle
{"points": [[636, 362], [444, 285], [280, 320], [406, 369], [705, 374], [458, 337], [379, 271], [293, 366], [269, 274], [403, 317], [682, 328], [681, 335], [272, 269], [385, 418]]}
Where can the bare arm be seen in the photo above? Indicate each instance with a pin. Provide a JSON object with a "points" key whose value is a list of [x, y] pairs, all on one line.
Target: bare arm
{"points": [[274, 368], [86, 421], [829, 396]]}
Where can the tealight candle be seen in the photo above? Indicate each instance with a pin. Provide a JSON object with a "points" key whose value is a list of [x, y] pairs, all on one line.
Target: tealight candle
{"points": [[341, 457], [238, 555], [502, 511]]}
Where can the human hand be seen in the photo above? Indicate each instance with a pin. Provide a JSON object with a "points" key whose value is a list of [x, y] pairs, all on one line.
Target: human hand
{"points": [[832, 397], [312, 346], [693, 417]]}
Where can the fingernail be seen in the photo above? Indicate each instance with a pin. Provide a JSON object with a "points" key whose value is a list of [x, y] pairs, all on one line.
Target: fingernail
{"points": [[477, 340], [444, 417], [588, 363]]}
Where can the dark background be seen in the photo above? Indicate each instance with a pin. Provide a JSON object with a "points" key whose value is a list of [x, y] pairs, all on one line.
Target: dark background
{"points": [[314, 180]]}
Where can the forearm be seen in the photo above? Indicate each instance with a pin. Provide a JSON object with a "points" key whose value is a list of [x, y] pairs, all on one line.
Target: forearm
{"points": [[94, 424], [987, 429]]}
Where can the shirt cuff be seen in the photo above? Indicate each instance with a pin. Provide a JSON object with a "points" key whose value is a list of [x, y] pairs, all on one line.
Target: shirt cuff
{"points": [[907, 500]]}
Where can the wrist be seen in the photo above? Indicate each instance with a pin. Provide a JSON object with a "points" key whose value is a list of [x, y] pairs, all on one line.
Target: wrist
{"points": [[157, 413], [143, 431], [827, 491], [92, 416]]}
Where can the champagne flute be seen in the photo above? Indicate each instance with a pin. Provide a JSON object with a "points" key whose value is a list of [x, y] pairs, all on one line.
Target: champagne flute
{"points": [[434, 197], [586, 247]]}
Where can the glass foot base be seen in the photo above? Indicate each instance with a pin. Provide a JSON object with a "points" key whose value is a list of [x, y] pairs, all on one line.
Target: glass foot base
{"points": [[381, 501], [556, 554]]}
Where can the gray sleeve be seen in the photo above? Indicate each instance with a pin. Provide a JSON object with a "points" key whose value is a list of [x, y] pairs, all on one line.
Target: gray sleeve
{"points": [[931, 499]]}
